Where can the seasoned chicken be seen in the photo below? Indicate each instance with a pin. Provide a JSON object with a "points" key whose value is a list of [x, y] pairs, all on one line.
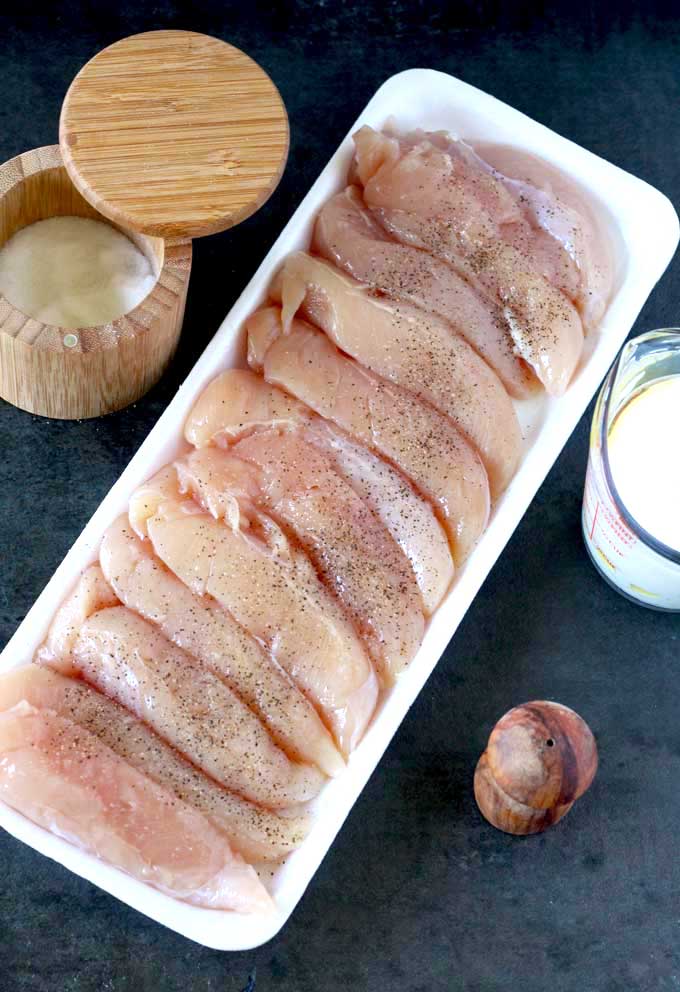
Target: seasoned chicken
{"points": [[406, 514], [349, 546], [269, 585], [66, 780], [237, 403], [412, 348], [553, 204], [256, 833], [347, 234], [440, 200], [127, 659], [91, 593], [200, 626], [424, 444]]}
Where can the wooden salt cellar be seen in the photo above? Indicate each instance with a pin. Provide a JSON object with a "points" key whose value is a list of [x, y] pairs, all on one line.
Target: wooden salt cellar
{"points": [[167, 135]]}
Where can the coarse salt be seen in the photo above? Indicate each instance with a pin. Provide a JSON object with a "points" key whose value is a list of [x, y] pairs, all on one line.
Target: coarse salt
{"points": [[73, 272]]}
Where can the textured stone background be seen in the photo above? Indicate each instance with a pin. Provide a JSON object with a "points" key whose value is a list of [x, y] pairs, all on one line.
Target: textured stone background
{"points": [[418, 894]]}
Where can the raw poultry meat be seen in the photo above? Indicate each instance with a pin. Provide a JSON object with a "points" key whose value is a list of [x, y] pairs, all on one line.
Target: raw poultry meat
{"points": [[406, 514], [348, 545], [237, 403], [440, 200], [256, 833], [412, 348], [467, 184], [198, 625], [268, 584], [348, 235], [229, 650], [91, 593], [549, 200], [65, 779], [425, 445], [129, 660]]}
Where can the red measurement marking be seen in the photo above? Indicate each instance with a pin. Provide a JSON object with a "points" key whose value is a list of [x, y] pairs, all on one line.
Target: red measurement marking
{"points": [[592, 529]]}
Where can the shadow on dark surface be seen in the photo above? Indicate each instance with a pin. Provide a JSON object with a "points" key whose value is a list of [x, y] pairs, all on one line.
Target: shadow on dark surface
{"points": [[418, 894]]}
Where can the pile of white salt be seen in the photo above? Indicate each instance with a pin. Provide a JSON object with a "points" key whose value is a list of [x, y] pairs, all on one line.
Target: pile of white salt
{"points": [[74, 272]]}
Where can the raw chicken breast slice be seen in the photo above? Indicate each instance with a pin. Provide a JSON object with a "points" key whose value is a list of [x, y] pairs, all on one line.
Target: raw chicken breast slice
{"points": [[239, 391], [502, 209], [347, 234], [147, 498], [423, 201], [271, 588], [256, 833], [425, 445], [201, 627], [553, 203], [66, 780], [412, 348], [406, 514], [237, 405], [91, 593], [348, 545], [128, 660]]}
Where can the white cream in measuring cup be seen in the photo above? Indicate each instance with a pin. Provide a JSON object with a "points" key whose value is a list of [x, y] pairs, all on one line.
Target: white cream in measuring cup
{"points": [[631, 505]]}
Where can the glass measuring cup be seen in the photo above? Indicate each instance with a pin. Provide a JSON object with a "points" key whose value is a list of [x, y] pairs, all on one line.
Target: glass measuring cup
{"points": [[630, 558]]}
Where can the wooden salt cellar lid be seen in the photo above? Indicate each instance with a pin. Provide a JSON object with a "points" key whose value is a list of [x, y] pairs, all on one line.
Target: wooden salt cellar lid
{"points": [[174, 134]]}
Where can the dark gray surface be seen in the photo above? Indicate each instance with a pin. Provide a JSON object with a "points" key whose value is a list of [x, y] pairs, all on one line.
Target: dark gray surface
{"points": [[418, 894]]}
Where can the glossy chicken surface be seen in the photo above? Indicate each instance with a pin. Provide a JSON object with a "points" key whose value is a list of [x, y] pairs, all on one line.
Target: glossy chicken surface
{"points": [[256, 833], [199, 626], [265, 589], [269, 585], [411, 348], [66, 779], [236, 404], [421, 442]]}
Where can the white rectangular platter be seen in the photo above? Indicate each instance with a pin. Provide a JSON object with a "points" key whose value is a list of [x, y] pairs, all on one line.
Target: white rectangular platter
{"points": [[644, 229]]}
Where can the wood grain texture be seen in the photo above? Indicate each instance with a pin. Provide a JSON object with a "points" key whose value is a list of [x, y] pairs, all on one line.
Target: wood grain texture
{"points": [[542, 754], [173, 133], [106, 367], [540, 758], [506, 813]]}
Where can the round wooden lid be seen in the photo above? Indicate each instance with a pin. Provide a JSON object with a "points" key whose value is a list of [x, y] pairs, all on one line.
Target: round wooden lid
{"points": [[174, 134]]}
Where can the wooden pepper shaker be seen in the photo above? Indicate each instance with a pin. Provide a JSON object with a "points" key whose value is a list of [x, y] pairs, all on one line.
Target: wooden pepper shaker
{"points": [[541, 757]]}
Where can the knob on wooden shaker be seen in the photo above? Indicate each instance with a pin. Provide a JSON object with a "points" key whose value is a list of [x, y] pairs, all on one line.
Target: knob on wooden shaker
{"points": [[541, 757]]}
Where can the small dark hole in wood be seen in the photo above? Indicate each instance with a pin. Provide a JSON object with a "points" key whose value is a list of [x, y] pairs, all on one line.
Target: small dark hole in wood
{"points": [[550, 742]]}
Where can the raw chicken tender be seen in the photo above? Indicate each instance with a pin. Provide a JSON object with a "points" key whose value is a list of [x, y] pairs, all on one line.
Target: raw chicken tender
{"points": [[129, 660], [412, 348], [91, 593], [347, 234], [552, 202], [237, 403], [65, 779], [406, 514], [492, 203], [442, 201], [425, 445], [271, 588], [257, 834], [350, 548], [200, 626]]}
